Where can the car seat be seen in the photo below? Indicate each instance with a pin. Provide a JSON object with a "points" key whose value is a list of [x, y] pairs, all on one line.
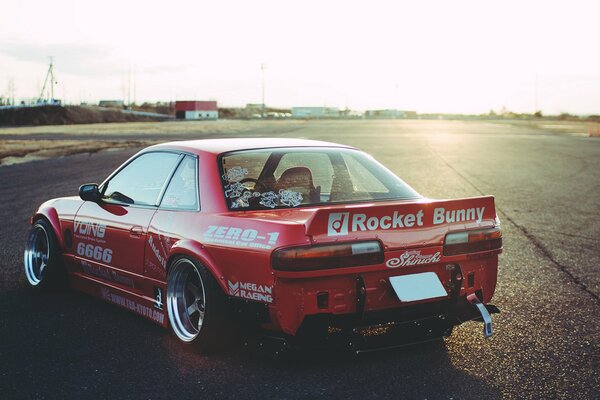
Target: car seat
{"points": [[299, 179]]}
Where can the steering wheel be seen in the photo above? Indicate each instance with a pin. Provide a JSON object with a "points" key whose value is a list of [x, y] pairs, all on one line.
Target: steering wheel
{"points": [[257, 187]]}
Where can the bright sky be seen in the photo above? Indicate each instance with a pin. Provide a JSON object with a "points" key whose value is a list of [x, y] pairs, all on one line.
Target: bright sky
{"points": [[447, 56]]}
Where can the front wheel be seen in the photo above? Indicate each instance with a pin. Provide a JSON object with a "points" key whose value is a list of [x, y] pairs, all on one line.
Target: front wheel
{"points": [[195, 305], [43, 267]]}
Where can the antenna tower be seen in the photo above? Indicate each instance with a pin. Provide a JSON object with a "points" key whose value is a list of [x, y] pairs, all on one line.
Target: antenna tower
{"points": [[48, 88]]}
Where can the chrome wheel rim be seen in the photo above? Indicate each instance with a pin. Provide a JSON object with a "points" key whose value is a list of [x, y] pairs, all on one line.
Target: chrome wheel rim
{"points": [[186, 300], [37, 253]]}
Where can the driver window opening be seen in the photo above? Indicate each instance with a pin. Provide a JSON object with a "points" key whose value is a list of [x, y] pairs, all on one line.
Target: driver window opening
{"points": [[141, 181]]}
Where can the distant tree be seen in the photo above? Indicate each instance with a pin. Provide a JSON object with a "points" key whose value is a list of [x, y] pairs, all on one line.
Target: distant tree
{"points": [[538, 114], [565, 116]]}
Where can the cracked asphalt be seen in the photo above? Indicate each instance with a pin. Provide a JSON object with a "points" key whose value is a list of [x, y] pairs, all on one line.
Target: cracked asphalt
{"points": [[546, 342]]}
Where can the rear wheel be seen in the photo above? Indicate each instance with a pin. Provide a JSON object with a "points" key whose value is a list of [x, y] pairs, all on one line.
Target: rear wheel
{"points": [[43, 267], [195, 305]]}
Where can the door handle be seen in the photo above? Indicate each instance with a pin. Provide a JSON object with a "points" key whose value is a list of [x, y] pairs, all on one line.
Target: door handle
{"points": [[136, 231]]}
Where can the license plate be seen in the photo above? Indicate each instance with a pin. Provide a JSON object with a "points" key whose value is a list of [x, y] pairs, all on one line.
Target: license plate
{"points": [[416, 287]]}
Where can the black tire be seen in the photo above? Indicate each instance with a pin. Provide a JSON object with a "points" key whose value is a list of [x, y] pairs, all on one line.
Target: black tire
{"points": [[198, 315], [42, 259]]}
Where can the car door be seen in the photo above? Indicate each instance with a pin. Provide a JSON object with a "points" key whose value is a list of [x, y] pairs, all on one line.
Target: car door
{"points": [[112, 233], [174, 218]]}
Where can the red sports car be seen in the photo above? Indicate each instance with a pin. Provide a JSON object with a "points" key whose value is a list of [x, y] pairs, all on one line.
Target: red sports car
{"points": [[307, 241]]}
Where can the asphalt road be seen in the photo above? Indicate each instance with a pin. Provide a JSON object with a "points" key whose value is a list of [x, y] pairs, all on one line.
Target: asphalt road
{"points": [[546, 341]]}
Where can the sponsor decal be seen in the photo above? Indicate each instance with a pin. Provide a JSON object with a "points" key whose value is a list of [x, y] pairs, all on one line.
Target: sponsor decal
{"points": [[441, 216], [158, 298], [234, 189], [269, 199], [238, 237], [290, 198], [92, 252], [251, 291], [161, 259], [235, 174], [244, 200], [104, 273], [89, 230], [136, 307], [413, 257], [340, 224]]}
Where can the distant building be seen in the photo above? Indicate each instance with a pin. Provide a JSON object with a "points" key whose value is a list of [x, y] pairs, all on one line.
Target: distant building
{"points": [[255, 106], [315, 112], [390, 114], [196, 110], [112, 103]]}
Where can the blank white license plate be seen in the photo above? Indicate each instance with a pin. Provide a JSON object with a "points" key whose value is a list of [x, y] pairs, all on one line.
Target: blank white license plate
{"points": [[415, 287]]}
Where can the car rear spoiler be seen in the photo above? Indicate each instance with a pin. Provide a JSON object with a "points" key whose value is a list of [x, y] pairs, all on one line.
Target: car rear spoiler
{"points": [[386, 217]]}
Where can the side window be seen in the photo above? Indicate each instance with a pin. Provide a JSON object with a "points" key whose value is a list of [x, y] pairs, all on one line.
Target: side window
{"points": [[141, 181], [182, 193]]}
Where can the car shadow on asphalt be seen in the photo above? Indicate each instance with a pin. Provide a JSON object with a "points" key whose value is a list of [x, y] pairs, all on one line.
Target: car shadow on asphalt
{"points": [[75, 344]]}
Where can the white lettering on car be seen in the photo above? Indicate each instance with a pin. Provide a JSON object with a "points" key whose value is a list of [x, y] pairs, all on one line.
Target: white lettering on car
{"points": [[441, 216], [161, 259], [251, 291], [87, 228], [340, 223], [413, 257], [92, 252], [153, 314], [238, 237]]}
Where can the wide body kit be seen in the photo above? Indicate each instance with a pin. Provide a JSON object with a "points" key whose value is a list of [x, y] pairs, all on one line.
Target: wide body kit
{"points": [[291, 271]]}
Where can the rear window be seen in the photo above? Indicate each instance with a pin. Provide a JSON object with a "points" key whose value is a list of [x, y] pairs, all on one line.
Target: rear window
{"points": [[293, 177]]}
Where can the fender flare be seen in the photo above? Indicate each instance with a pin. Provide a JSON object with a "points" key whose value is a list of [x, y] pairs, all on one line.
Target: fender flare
{"points": [[51, 215], [197, 251]]}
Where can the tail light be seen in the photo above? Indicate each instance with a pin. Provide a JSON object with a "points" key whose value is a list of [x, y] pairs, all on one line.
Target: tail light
{"points": [[473, 241], [306, 258]]}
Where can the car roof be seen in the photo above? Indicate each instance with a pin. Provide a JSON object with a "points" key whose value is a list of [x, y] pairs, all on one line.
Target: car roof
{"points": [[218, 146]]}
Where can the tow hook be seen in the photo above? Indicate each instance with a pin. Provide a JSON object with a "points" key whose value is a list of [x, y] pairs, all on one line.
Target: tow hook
{"points": [[485, 315]]}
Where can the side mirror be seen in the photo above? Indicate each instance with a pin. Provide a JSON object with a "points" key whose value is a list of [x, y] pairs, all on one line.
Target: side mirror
{"points": [[90, 192]]}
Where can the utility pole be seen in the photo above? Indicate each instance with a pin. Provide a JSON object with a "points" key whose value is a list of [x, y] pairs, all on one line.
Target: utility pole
{"points": [[134, 84], [262, 68], [535, 101], [11, 91], [129, 87]]}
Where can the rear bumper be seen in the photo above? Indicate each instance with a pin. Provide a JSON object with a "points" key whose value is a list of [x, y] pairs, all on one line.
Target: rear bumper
{"points": [[376, 330], [356, 298]]}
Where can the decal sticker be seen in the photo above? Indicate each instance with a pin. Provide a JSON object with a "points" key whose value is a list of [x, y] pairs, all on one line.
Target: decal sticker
{"points": [[240, 237], [161, 259], [234, 190], [89, 231], [235, 174], [338, 224], [87, 228], [97, 253], [290, 198], [141, 309], [269, 199], [104, 273], [158, 296], [441, 216], [244, 200], [341, 223], [251, 291], [413, 257]]}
